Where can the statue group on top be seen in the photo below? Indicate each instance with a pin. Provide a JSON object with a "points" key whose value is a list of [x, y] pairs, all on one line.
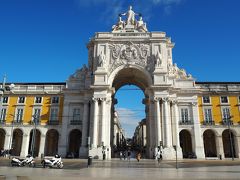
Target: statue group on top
{"points": [[130, 23]]}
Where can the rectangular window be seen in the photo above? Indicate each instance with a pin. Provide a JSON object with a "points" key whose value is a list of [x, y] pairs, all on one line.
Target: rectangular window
{"points": [[38, 100], [19, 115], [76, 114], [5, 99], [21, 99], [224, 99], [54, 114], [206, 99], [208, 115], [3, 115], [36, 115], [55, 100], [184, 115], [225, 113]]}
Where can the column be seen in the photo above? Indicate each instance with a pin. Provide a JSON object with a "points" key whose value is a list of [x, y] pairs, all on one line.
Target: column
{"points": [[219, 146], [25, 144], [176, 118], [95, 122], [108, 127], [85, 123], [198, 140], [7, 141], [62, 147], [104, 121], [42, 145], [158, 122], [167, 123]]}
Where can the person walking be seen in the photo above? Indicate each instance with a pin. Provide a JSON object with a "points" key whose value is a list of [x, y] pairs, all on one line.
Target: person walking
{"points": [[138, 156], [120, 155], [159, 156], [129, 155]]}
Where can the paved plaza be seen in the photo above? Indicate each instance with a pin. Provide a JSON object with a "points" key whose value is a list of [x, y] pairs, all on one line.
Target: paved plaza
{"points": [[116, 169]]}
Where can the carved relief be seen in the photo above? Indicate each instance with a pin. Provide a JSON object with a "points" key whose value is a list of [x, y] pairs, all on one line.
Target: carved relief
{"points": [[173, 70], [128, 53]]}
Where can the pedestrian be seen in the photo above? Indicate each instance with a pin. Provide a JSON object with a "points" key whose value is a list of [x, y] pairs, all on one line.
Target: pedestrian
{"points": [[124, 155], [129, 155], [138, 156], [120, 155], [159, 156]]}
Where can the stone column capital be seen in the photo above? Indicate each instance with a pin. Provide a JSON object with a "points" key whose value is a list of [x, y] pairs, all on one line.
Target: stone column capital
{"points": [[156, 98], [103, 99], [165, 99], [194, 103]]}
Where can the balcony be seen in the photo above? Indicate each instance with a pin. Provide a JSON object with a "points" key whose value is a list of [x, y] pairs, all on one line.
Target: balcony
{"points": [[53, 122], [227, 122], [75, 122], [189, 122], [208, 123], [2, 121]]}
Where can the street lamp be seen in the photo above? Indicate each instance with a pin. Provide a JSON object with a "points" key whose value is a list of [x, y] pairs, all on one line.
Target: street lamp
{"points": [[230, 135], [33, 148]]}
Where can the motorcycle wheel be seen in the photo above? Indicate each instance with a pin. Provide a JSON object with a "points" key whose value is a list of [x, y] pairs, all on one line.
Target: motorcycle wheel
{"points": [[60, 166]]}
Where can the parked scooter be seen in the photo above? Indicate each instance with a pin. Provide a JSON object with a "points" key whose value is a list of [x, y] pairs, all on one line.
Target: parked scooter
{"points": [[29, 160], [56, 161]]}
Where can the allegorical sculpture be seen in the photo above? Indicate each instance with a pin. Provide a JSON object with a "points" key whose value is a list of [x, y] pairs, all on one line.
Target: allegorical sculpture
{"points": [[130, 24]]}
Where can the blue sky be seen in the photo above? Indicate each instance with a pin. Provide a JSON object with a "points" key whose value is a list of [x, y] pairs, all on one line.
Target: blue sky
{"points": [[45, 40]]}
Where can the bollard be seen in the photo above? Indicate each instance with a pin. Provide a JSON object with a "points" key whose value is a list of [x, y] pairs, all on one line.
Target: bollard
{"points": [[89, 161]]}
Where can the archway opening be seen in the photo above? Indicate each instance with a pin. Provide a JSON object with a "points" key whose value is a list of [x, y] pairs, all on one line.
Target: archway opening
{"points": [[51, 142], [228, 143], [2, 138], [34, 142], [75, 139], [209, 143], [186, 144], [129, 122], [17, 142]]}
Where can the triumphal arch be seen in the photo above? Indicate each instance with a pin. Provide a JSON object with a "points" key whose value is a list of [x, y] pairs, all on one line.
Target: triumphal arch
{"points": [[130, 54]]}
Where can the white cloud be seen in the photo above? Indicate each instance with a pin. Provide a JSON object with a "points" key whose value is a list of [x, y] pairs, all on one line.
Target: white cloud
{"points": [[113, 7], [129, 119]]}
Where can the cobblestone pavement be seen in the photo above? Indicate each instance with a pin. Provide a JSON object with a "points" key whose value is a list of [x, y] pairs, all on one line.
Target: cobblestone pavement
{"points": [[116, 169]]}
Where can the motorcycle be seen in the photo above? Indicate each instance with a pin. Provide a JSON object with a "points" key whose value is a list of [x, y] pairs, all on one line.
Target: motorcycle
{"points": [[56, 161], [29, 160]]}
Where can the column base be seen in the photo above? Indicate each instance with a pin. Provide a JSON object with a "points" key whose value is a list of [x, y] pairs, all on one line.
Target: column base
{"points": [[200, 153], [97, 152], [169, 153]]}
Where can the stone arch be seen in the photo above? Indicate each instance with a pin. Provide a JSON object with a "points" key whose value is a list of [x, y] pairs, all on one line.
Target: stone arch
{"points": [[51, 147], [75, 140], [34, 142], [17, 137], [2, 138], [186, 143], [227, 145], [130, 75], [209, 140]]}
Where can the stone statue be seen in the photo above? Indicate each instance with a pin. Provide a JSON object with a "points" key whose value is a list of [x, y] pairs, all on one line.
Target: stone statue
{"points": [[141, 26], [158, 59], [101, 59], [119, 25], [130, 16]]}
